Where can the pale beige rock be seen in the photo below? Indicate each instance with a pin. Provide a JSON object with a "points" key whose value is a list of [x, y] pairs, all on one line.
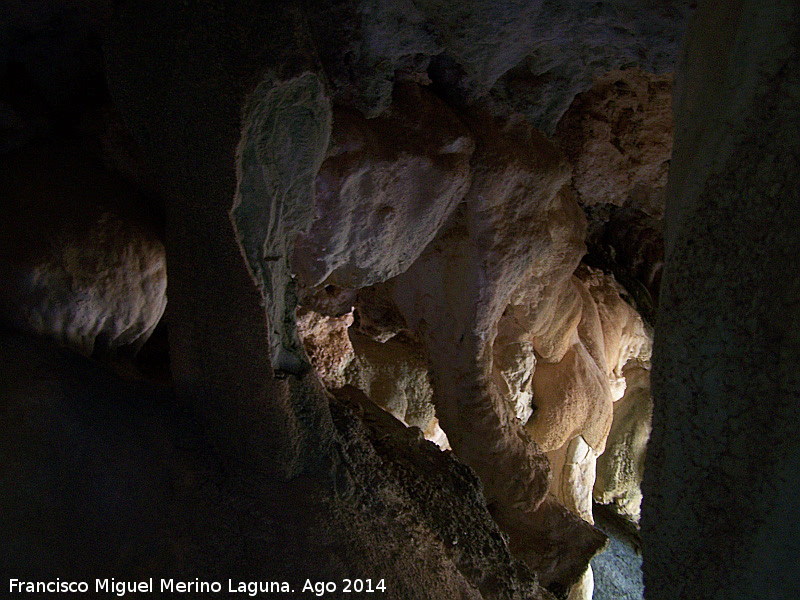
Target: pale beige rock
{"points": [[624, 334], [618, 136], [384, 190], [512, 370], [620, 468], [574, 476], [327, 343], [572, 396], [284, 138], [544, 308], [584, 589], [514, 226], [434, 433], [79, 263], [395, 376], [392, 373]]}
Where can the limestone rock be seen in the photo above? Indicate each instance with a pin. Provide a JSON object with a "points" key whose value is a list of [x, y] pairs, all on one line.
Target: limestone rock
{"points": [[284, 140], [453, 296], [624, 334], [630, 244], [572, 396], [725, 362], [440, 486], [385, 189], [621, 467], [512, 369], [574, 467], [104, 476], [392, 372], [395, 376], [576, 42], [378, 315], [554, 543], [618, 137], [485, 38], [79, 262], [544, 308], [618, 569], [366, 44], [456, 291], [327, 343]]}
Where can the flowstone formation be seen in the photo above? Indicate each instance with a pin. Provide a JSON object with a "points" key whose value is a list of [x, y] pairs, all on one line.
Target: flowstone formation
{"points": [[284, 140]]}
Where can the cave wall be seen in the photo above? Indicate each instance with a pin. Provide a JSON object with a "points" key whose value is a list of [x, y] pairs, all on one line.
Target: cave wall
{"points": [[721, 478]]}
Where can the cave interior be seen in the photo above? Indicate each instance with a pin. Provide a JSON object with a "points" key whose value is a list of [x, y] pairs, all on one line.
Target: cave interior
{"points": [[404, 299]]}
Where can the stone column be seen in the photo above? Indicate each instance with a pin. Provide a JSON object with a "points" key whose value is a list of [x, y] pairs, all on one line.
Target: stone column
{"points": [[721, 478]]}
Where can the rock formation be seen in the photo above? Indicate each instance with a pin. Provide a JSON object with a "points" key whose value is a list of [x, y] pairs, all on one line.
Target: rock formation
{"points": [[620, 469], [720, 484], [149, 494], [79, 260]]}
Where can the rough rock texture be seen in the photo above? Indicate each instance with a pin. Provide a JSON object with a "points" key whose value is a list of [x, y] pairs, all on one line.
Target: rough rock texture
{"points": [[199, 72], [544, 309], [368, 42], [534, 56], [572, 396], [720, 487], [442, 485], [395, 376], [108, 478], [284, 140], [365, 43], [588, 334], [79, 260], [232, 103], [453, 296], [575, 43], [327, 343], [384, 191], [284, 426], [618, 137], [625, 336], [392, 373], [630, 244], [618, 569], [620, 468], [486, 39]]}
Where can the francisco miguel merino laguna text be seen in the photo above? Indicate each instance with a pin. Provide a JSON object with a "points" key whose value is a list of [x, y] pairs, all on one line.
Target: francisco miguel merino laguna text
{"points": [[120, 588]]}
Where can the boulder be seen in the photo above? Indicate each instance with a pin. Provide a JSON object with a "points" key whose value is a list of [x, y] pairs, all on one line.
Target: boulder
{"points": [[80, 260], [386, 187]]}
